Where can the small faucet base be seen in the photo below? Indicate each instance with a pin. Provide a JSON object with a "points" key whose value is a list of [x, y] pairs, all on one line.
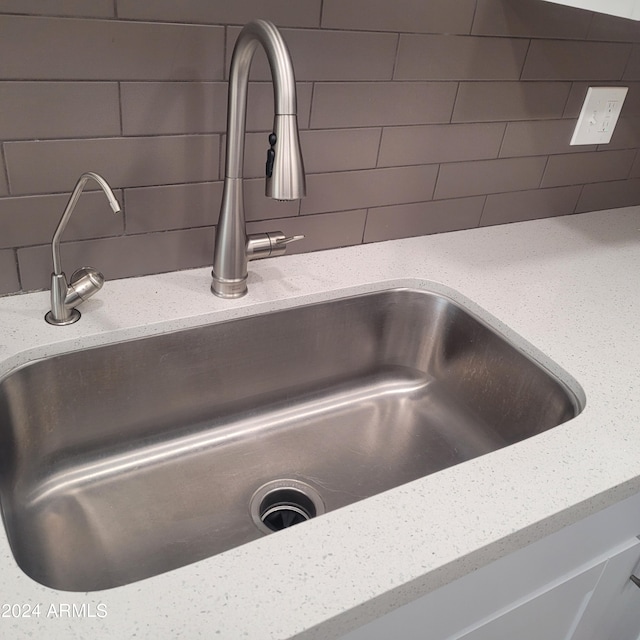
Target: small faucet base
{"points": [[74, 316], [229, 288]]}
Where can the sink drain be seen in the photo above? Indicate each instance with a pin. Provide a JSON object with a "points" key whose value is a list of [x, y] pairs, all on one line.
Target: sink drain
{"points": [[283, 503]]}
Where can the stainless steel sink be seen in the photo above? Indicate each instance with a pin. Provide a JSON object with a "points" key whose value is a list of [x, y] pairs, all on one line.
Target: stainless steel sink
{"points": [[124, 461]]}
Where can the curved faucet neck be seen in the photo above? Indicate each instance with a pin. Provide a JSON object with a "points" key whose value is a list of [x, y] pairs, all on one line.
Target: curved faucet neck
{"points": [[77, 191], [284, 85]]}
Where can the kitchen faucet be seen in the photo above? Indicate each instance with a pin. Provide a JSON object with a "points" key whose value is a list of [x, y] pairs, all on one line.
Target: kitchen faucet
{"points": [[86, 280], [285, 178]]}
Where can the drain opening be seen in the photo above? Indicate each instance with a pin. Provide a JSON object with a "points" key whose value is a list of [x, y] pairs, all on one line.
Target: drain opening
{"points": [[282, 508], [284, 503]]}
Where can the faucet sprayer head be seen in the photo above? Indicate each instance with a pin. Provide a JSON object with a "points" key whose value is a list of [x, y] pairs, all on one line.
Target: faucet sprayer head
{"points": [[285, 168]]}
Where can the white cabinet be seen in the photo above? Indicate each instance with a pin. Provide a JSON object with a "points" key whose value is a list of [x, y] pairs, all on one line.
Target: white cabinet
{"points": [[621, 8], [572, 585], [552, 614], [613, 612]]}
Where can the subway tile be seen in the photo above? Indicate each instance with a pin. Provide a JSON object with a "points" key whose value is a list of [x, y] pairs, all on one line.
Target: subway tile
{"points": [[339, 149], [153, 108], [488, 176], [9, 282], [121, 257], [502, 208], [33, 220], [43, 110], [157, 108], [439, 143], [435, 16], [422, 218], [567, 60], [625, 136], [324, 231], [632, 72], [4, 188], [320, 150], [366, 104], [497, 101], [290, 13], [444, 57], [529, 19], [320, 55], [613, 28], [635, 169], [582, 168], [542, 137], [54, 165], [74, 49], [180, 206], [73, 8], [609, 195], [196, 205], [361, 189]]}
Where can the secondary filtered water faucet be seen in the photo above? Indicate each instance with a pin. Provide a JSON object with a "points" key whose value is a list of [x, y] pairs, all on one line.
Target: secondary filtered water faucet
{"points": [[284, 167], [85, 281]]}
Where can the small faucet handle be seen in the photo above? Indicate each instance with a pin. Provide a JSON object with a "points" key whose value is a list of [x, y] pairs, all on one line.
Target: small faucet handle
{"points": [[268, 245], [288, 239]]}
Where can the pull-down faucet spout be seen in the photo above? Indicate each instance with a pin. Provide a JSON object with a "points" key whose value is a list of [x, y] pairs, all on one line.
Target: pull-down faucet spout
{"points": [[285, 179]]}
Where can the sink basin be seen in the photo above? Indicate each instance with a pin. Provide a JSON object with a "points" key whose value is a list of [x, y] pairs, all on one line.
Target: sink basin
{"points": [[124, 461]]}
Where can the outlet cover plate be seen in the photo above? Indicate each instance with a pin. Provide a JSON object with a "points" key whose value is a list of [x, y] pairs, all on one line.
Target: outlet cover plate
{"points": [[599, 115]]}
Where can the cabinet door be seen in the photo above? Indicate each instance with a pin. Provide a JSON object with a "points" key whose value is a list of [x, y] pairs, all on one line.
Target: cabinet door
{"points": [[614, 609], [552, 614]]}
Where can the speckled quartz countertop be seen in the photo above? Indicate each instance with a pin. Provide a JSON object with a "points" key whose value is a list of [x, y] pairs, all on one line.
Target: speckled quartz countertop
{"points": [[568, 286]]}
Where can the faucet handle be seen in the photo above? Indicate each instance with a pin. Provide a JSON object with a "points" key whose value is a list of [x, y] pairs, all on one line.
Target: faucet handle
{"points": [[268, 245], [288, 240]]}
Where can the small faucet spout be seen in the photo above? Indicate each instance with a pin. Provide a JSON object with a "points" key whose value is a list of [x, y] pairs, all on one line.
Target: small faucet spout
{"points": [[285, 177], [85, 281]]}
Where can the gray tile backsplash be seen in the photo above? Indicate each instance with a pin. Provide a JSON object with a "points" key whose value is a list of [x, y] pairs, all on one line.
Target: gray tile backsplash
{"points": [[501, 208], [289, 13], [49, 166], [9, 282], [489, 176], [431, 16], [416, 116], [72, 8], [72, 49], [439, 143], [369, 104], [40, 110], [433, 57], [406, 220], [570, 60], [583, 168], [508, 101], [530, 19]]}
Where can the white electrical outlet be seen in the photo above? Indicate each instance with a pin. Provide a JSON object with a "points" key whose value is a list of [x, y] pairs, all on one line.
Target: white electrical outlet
{"points": [[599, 115]]}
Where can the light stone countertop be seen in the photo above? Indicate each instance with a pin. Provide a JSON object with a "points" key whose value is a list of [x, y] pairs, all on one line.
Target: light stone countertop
{"points": [[569, 286]]}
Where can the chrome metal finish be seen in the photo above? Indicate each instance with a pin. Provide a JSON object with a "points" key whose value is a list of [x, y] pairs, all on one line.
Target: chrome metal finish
{"points": [[273, 243], [85, 281], [124, 461], [285, 180]]}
